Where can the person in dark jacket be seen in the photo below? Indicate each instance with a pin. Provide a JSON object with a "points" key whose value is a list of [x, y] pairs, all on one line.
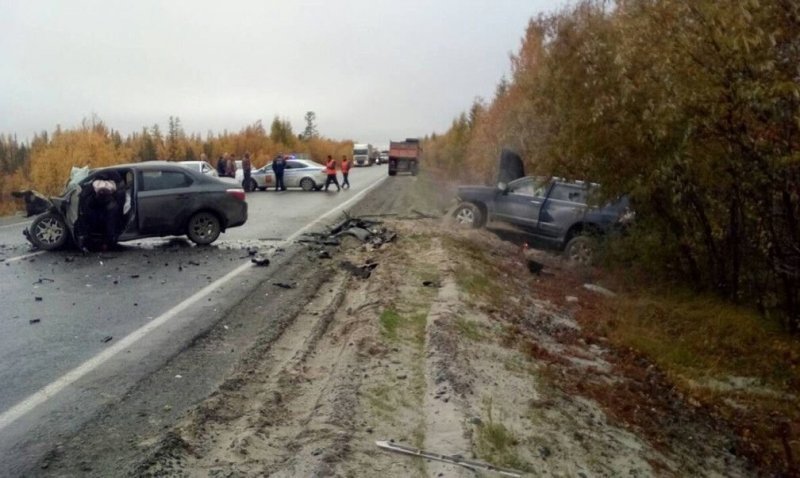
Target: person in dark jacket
{"points": [[278, 165], [221, 166], [247, 166], [100, 209]]}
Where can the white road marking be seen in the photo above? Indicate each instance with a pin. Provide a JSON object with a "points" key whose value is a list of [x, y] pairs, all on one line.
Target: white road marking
{"points": [[16, 224], [24, 256], [40, 397]]}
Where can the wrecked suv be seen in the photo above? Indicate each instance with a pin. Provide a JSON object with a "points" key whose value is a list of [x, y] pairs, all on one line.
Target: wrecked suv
{"points": [[555, 211], [155, 199]]}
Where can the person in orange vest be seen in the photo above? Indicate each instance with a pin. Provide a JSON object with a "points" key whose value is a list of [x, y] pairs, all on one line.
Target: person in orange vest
{"points": [[330, 170], [345, 171]]}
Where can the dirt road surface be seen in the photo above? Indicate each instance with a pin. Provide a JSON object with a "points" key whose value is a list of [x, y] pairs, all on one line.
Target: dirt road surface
{"points": [[451, 345]]}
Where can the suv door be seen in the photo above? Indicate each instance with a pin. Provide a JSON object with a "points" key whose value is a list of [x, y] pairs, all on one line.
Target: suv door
{"points": [[164, 201], [521, 203], [565, 206]]}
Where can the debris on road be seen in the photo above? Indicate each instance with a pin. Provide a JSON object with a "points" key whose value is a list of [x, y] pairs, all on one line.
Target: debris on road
{"points": [[535, 267], [260, 261], [107, 339], [600, 290], [34, 321], [284, 285], [431, 283], [362, 272], [452, 459], [324, 254], [37, 299], [42, 280]]}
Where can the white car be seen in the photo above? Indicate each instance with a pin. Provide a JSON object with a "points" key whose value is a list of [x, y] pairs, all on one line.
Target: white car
{"points": [[299, 173], [201, 167]]}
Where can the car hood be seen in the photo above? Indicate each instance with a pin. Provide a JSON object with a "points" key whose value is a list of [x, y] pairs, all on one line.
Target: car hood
{"points": [[474, 192], [510, 168], [35, 202]]}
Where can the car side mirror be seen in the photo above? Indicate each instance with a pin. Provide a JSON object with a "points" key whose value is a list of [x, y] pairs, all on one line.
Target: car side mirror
{"points": [[502, 187]]}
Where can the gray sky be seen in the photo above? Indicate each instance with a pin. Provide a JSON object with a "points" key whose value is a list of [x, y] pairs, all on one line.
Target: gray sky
{"points": [[372, 70]]}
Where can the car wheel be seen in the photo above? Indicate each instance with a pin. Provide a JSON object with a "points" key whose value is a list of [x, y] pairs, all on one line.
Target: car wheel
{"points": [[307, 184], [468, 215], [581, 250], [204, 228], [251, 185], [48, 232]]}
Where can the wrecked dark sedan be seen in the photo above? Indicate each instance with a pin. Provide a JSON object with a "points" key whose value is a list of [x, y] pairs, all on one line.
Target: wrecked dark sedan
{"points": [[150, 199], [556, 211]]}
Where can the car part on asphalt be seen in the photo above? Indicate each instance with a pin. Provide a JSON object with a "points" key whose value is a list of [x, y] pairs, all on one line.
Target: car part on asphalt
{"points": [[260, 261]]}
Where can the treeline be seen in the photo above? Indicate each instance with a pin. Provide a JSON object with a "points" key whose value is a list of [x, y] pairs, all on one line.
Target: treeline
{"points": [[44, 163], [689, 107]]}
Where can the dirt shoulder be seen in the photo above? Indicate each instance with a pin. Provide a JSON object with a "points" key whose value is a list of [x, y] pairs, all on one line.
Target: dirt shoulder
{"points": [[453, 346]]}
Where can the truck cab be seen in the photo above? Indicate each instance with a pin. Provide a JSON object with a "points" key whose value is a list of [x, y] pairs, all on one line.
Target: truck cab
{"points": [[363, 155]]}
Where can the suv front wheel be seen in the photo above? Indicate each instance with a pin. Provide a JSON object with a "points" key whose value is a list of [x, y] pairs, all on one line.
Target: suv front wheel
{"points": [[469, 215], [581, 250]]}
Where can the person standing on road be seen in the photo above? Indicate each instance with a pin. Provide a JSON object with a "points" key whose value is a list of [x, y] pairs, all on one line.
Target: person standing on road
{"points": [[247, 167], [345, 171], [278, 165], [330, 170], [230, 166], [221, 166]]}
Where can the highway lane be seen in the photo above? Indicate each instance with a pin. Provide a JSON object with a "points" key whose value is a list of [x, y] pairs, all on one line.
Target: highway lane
{"points": [[62, 309]]}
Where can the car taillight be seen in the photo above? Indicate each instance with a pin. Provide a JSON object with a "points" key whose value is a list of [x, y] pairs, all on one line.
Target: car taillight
{"points": [[236, 193]]}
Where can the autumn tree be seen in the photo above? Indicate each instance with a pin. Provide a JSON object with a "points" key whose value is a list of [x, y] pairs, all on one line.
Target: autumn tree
{"points": [[311, 126]]}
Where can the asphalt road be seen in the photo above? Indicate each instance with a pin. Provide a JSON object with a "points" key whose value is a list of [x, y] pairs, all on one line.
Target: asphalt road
{"points": [[78, 331]]}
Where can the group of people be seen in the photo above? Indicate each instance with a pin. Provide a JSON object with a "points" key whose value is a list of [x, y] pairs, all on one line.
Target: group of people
{"points": [[279, 165], [226, 167], [330, 170]]}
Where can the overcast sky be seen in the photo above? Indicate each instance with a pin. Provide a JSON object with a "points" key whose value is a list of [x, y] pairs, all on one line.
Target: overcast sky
{"points": [[372, 70]]}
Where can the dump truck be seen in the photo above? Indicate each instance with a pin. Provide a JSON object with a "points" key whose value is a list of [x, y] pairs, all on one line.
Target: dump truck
{"points": [[404, 156]]}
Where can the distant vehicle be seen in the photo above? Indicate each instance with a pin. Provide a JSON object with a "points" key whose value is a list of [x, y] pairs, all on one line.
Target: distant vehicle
{"points": [[404, 156], [363, 155], [553, 210], [200, 166], [383, 156], [302, 173], [161, 199]]}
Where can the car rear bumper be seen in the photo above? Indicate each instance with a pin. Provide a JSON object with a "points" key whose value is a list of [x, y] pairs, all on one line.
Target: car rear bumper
{"points": [[237, 216]]}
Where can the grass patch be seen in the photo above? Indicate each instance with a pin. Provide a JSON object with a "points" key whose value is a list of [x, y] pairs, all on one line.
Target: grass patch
{"points": [[720, 354], [496, 443], [380, 399], [469, 329], [390, 321], [699, 337]]}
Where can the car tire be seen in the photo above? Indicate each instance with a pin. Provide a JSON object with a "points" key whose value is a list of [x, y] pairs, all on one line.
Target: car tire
{"points": [[203, 228], [581, 250], [469, 215], [250, 186], [48, 232], [307, 184]]}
